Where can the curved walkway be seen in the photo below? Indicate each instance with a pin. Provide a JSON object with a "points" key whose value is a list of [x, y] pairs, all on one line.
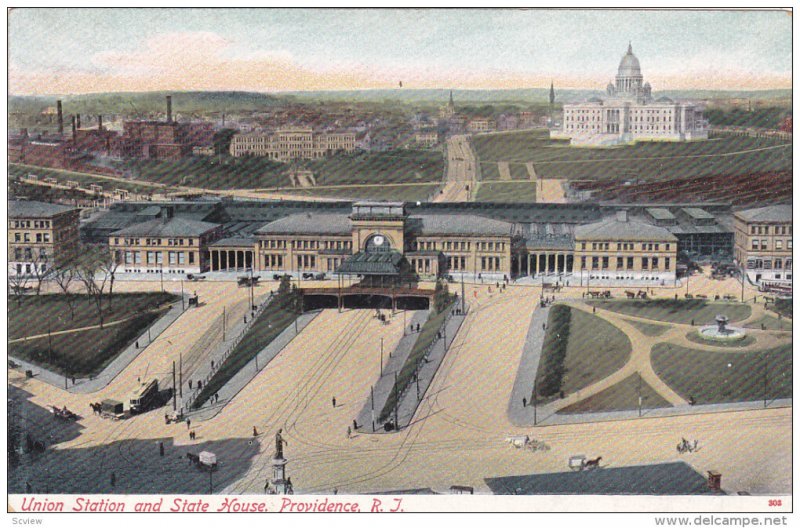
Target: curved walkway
{"points": [[638, 362]]}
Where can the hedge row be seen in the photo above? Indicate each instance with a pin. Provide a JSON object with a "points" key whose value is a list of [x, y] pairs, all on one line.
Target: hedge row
{"points": [[554, 351]]}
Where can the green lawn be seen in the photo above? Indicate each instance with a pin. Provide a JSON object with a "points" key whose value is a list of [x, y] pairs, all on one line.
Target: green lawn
{"points": [[490, 171], [427, 335], [648, 329], [720, 377], [506, 192], [84, 353], [518, 171], [273, 320], [644, 160], [84, 179], [407, 193], [39, 313], [681, 311], [771, 323], [595, 349], [623, 396]]}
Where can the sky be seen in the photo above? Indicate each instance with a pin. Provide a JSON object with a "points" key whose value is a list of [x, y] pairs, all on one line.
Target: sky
{"points": [[68, 51]]}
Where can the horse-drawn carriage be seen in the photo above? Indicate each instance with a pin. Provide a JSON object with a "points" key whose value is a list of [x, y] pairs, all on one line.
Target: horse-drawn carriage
{"points": [[247, 281], [551, 286], [580, 462], [600, 294], [204, 460], [195, 278], [62, 413], [111, 409]]}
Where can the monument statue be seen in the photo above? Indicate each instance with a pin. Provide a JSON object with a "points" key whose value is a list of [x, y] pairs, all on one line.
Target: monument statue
{"points": [[279, 443]]}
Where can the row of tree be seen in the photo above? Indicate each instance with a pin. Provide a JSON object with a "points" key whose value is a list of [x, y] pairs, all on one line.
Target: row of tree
{"points": [[93, 267]]}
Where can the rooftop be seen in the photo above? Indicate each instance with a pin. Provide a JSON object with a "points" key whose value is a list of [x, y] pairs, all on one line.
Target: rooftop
{"points": [[458, 224], [30, 209], [167, 227], [632, 229], [771, 213], [310, 224]]}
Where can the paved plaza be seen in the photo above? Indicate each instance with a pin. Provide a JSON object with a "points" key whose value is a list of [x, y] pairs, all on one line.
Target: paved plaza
{"points": [[456, 438]]}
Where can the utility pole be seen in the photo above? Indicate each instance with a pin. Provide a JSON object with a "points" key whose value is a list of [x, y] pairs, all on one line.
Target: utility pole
{"points": [[535, 399], [741, 271], [463, 307], [444, 333], [381, 357], [372, 407], [183, 301], [396, 403], [765, 379], [161, 268], [223, 323], [180, 376], [639, 394], [49, 344], [174, 392], [416, 376]]}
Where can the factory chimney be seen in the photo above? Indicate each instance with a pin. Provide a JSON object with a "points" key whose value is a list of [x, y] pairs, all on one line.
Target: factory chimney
{"points": [[99, 122], [169, 109], [60, 118], [78, 120], [74, 132]]}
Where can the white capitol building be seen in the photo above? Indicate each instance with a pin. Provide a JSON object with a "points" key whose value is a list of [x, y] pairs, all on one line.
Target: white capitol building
{"points": [[629, 113]]}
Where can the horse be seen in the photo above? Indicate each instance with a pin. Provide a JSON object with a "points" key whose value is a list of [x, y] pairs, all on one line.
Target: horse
{"points": [[592, 463]]}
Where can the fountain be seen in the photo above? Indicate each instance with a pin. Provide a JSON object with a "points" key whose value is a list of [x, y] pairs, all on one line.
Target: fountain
{"points": [[722, 332]]}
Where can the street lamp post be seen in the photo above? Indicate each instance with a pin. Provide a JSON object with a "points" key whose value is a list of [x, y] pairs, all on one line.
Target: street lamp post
{"points": [[766, 379], [381, 357], [183, 301], [161, 273], [741, 273]]}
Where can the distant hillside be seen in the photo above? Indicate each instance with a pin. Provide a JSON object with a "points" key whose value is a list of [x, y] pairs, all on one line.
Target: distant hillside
{"points": [[146, 102]]}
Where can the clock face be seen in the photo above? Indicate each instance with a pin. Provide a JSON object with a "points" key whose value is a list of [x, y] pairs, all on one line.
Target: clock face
{"points": [[378, 240]]}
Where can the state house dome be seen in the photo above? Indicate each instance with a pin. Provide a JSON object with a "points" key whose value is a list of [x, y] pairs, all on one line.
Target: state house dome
{"points": [[629, 65]]}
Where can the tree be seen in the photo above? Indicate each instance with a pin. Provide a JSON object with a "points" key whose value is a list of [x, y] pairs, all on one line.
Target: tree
{"points": [[39, 271], [64, 276], [90, 272], [285, 286], [441, 296], [18, 282], [222, 140], [108, 265]]}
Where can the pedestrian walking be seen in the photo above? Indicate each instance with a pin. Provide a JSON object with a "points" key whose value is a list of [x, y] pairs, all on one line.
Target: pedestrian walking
{"points": [[199, 384], [333, 402], [524, 402], [692, 322], [212, 364], [411, 327], [190, 384], [161, 448], [544, 326], [73, 380], [255, 431], [417, 327], [216, 397], [113, 479], [28, 487], [355, 425], [188, 424], [349, 432]]}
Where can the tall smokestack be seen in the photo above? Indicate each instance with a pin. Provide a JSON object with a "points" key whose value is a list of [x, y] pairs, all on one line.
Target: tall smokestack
{"points": [[74, 133], [99, 122], [60, 118], [78, 120], [169, 109]]}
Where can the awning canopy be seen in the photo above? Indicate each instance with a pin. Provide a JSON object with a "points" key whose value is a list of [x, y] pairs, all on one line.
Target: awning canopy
{"points": [[362, 263]]}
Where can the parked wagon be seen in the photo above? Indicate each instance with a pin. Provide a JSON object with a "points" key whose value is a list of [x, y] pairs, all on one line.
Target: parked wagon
{"points": [[112, 409], [194, 277], [203, 460], [246, 282], [62, 413]]}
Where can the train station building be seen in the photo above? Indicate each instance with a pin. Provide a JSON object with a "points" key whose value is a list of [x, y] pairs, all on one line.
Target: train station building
{"points": [[609, 244]]}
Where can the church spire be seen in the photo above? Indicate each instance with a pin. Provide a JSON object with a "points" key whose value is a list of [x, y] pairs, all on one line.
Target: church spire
{"points": [[630, 48], [552, 94], [451, 97]]}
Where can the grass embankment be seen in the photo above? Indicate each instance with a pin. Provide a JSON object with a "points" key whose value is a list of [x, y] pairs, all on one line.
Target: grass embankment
{"points": [[275, 318], [427, 335], [681, 311], [251, 172], [623, 396], [656, 160], [506, 192], [85, 352], [579, 349], [721, 377]]}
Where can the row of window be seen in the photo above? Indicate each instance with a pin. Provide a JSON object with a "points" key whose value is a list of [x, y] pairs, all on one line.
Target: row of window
{"points": [[37, 224], [155, 241], [25, 237], [27, 253], [175, 258], [763, 245], [626, 246], [769, 264], [764, 230], [459, 245], [626, 263], [31, 268]]}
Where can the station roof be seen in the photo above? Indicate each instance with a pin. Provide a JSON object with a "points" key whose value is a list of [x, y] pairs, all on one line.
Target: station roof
{"points": [[458, 224], [660, 213], [167, 227], [697, 213], [362, 263], [309, 224], [236, 242], [614, 229]]}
